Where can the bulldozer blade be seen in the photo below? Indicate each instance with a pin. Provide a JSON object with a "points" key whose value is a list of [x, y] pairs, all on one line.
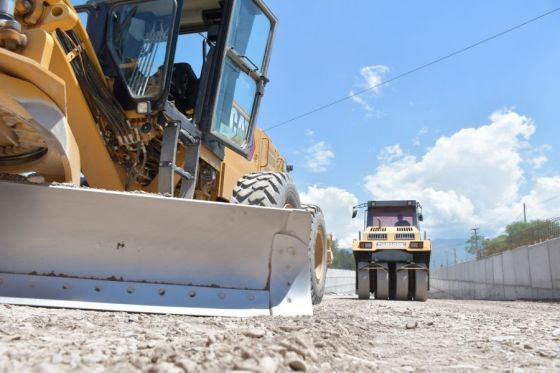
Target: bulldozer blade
{"points": [[62, 246]]}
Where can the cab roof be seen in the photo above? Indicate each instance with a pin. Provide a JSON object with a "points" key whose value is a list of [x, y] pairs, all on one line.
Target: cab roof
{"points": [[395, 203]]}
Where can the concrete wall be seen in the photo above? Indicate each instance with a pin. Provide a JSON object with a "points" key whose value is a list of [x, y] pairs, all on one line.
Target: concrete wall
{"points": [[528, 272], [340, 281]]}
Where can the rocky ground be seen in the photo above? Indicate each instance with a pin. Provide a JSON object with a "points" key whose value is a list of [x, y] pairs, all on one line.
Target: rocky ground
{"points": [[343, 335]]}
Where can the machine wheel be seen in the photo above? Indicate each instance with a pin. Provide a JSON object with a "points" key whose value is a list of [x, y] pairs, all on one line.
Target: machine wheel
{"points": [[363, 281], [269, 189], [317, 252], [421, 289], [382, 287], [401, 292]]}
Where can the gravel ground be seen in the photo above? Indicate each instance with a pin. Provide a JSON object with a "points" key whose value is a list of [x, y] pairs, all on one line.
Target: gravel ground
{"points": [[344, 335]]}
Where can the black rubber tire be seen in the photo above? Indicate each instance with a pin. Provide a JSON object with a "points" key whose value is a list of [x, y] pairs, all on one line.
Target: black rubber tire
{"points": [[382, 284], [421, 289], [269, 189], [363, 287], [401, 292], [317, 261]]}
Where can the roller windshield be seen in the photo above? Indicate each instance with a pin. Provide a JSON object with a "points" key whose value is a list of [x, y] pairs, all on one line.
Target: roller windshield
{"points": [[391, 216]]}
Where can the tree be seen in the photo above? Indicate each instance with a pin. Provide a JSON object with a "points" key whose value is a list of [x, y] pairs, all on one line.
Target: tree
{"points": [[475, 245], [516, 234], [343, 258]]}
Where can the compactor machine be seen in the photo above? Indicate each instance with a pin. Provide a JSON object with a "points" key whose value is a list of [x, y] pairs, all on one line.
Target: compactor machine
{"points": [[132, 174], [392, 260]]}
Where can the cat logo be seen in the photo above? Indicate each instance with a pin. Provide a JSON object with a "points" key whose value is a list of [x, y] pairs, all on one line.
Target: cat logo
{"points": [[239, 122]]}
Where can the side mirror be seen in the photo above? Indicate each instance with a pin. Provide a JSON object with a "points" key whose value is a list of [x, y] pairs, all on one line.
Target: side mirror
{"points": [[420, 217], [354, 212]]}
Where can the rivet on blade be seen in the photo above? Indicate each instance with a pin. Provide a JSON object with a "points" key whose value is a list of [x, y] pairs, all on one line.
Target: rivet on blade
{"points": [[66, 286], [192, 293], [161, 292], [130, 290], [98, 288], [289, 300]]}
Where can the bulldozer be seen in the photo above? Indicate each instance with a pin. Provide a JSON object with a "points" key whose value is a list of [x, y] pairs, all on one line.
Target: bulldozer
{"points": [[392, 260], [133, 176]]}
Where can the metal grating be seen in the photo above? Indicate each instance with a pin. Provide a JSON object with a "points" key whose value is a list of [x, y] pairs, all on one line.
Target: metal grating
{"points": [[404, 236], [404, 229], [377, 236]]}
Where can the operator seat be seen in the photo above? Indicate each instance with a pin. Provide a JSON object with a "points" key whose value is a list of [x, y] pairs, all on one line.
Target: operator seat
{"points": [[184, 88]]}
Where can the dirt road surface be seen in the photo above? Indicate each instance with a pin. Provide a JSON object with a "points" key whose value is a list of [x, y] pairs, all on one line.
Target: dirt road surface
{"points": [[343, 335]]}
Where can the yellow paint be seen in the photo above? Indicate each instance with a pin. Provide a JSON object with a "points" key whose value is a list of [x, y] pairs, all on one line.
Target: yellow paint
{"points": [[391, 237], [43, 69], [266, 157]]}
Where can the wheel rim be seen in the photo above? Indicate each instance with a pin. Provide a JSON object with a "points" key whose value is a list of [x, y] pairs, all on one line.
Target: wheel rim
{"points": [[319, 255], [26, 143]]}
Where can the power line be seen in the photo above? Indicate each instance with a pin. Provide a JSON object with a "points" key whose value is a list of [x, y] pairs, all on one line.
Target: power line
{"points": [[549, 199], [421, 67]]}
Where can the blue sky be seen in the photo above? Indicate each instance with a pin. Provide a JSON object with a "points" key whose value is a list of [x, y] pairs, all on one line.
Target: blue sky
{"points": [[324, 52], [472, 137]]}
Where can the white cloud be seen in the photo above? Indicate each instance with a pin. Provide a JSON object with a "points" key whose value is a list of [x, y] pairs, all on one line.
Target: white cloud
{"points": [[371, 78], [318, 157], [543, 201], [337, 205], [469, 178], [537, 157], [363, 103], [539, 160], [390, 153], [416, 141]]}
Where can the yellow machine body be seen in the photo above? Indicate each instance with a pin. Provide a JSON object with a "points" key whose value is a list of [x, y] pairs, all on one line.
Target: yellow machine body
{"points": [[392, 258], [407, 239], [41, 72], [137, 238]]}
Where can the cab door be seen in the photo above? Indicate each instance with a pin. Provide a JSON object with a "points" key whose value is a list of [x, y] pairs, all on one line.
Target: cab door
{"points": [[240, 75]]}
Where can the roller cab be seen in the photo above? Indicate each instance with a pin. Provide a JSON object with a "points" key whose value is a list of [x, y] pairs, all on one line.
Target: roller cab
{"points": [[392, 258]]}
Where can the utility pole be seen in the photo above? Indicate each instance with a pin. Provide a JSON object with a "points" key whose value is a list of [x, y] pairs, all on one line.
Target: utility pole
{"points": [[524, 213], [446, 259], [475, 230], [454, 256]]}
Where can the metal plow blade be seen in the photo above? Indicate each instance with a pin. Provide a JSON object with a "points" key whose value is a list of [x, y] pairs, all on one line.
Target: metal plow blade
{"points": [[93, 249]]}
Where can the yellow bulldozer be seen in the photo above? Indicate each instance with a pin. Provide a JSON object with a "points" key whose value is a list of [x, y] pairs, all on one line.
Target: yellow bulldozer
{"points": [[132, 174], [392, 260]]}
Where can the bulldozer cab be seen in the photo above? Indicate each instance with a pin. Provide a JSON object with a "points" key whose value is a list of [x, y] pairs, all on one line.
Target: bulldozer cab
{"points": [[137, 44]]}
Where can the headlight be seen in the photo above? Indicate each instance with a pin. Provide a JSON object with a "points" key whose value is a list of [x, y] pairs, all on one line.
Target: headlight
{"points": [[366, 245], [417, 245]]}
